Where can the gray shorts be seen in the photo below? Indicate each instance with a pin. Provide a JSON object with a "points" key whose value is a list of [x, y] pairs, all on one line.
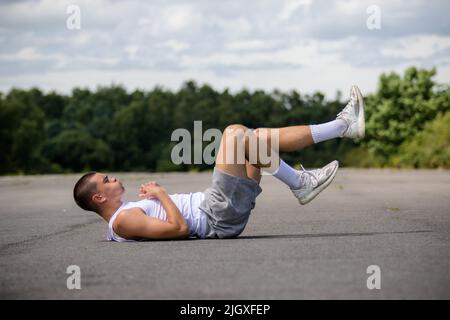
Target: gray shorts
{"points": [[228, 203]]}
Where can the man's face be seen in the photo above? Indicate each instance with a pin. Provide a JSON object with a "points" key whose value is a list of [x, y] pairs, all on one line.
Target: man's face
{"points": [[108, 187]]}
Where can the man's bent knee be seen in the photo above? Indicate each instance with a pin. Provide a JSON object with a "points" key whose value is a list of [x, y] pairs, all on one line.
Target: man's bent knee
{"points": [[234, 131], [233, 151], [235, 127]]}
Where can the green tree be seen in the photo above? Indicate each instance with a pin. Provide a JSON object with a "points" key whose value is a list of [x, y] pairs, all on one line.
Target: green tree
{"points": [[22, 131], [400, 108], [76, 150], [110, 129], [429, 148]]}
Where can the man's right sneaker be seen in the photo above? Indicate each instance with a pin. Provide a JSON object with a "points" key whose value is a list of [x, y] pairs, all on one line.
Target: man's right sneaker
{"points": [[315, 181], [353, 115]]}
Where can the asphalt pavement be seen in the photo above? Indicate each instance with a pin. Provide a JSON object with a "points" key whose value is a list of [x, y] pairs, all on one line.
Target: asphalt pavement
{"points": [[397, 221]]}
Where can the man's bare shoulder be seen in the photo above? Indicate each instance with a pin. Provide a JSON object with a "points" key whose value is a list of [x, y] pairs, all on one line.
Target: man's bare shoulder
{"points": [[125, 219], [127, 214]]}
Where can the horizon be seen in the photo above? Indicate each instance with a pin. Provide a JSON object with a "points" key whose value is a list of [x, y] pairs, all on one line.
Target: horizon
{"points": [[199, 84]]}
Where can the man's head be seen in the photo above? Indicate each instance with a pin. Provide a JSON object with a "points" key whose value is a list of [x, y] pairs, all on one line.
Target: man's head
{"points": [[94, 190]]}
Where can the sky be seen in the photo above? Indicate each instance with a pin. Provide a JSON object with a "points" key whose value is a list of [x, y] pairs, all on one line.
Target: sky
{"points": [[302, 45]]}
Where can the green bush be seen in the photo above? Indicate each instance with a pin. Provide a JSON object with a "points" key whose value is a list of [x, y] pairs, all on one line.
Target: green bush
{"points": [[429, 148], [400, 108], [76, 150], [363, 158]]}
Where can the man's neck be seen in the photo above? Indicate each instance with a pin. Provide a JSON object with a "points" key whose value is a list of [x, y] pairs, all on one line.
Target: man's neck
{"points": [[109, 210]]}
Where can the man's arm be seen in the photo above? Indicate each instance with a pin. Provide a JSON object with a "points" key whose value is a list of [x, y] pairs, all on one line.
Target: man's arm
{"points": [[172, 212], [133, 223]]}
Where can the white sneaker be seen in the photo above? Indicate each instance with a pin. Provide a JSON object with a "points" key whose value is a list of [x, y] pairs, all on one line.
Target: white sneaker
{"points": [[353, 115], [315, 181]]}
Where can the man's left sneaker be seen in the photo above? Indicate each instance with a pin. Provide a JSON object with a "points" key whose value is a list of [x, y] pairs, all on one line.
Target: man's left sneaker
{"points": [[353, 115], [315, 181]]}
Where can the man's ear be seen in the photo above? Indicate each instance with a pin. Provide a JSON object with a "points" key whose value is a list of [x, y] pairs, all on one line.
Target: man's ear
{"points": [[98, 198]]}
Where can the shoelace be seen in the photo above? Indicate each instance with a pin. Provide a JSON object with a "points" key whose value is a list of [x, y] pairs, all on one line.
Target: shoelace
{"points": [[347, 108], [310, 173]]}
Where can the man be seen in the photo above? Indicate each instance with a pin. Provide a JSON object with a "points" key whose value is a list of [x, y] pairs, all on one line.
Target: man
{"points": [[221, 211]]}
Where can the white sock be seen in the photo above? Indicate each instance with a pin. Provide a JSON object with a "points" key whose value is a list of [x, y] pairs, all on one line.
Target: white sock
{"points": [[288, 175], [328, 130]]}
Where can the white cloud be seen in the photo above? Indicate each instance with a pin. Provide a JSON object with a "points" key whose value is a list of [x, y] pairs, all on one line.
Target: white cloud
{"points": [[350, 7], [30, 54], [291, 6], [175, 45], [179, 17], [310, 53], [131, 51], [306, 80], [412, 47], [245, 45], [264, 43]]}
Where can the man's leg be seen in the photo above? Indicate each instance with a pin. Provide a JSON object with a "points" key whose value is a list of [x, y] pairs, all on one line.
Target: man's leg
{"points": [[253, 172], [304, 184], [235, 158], [298, 137], [227, 156], [291, 138], [349, 123], [234, 168]]}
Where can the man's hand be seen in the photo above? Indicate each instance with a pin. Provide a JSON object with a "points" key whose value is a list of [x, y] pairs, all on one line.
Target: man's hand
{"points": [[151, 190]]}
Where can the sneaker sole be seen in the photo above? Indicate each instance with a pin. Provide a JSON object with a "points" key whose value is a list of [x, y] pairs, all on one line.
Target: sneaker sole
{"points": [[319, 189], [361, 118]]}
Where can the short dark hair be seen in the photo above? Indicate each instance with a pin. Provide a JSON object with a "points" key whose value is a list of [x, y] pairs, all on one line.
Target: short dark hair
{"points": [[84, 190]]}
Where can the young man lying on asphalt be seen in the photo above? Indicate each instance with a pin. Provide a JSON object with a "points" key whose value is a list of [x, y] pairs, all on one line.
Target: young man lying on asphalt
{"points": [[222, 210]]}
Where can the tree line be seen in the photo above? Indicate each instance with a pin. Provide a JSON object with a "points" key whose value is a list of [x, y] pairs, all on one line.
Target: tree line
{"points": [[110, 129]]}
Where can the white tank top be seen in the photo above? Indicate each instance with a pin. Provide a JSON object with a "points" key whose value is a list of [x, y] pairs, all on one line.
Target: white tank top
{"points": [[187, 203]]}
